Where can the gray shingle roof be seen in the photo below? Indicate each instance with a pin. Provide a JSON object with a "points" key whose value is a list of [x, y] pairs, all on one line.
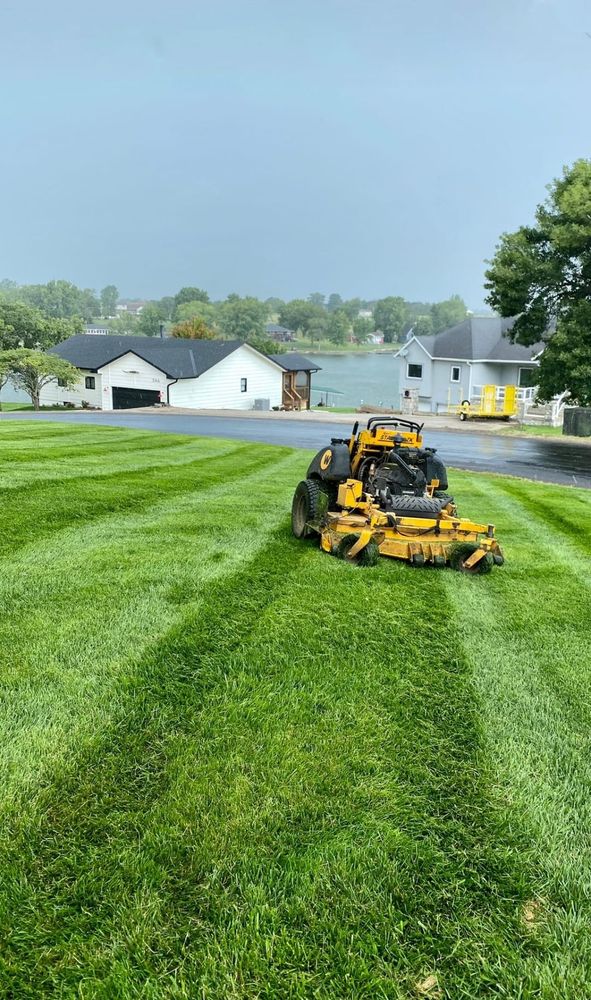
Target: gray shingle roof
{"points": [[276, 328], [478, 339], [294, 362], [177, 358]]}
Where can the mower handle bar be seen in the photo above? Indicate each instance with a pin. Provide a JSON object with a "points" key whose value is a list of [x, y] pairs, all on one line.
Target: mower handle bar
{"points": [[374, 422]]}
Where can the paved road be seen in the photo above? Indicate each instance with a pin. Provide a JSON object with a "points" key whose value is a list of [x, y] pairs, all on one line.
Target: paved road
{"points": [[533, 458]]}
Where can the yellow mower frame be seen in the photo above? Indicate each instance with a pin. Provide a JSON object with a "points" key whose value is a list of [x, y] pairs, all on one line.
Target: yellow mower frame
{"points": [[352, 525]]}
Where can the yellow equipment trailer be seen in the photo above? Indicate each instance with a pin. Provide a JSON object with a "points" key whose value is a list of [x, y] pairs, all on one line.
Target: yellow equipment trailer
{"points": [[497, 401], [380, 492]]}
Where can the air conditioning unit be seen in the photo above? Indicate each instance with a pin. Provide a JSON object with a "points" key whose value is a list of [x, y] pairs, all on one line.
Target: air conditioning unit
{"points": [[262, 404]]}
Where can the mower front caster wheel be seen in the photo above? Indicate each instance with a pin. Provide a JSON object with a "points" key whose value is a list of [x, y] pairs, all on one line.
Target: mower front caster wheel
{"points": [[368, 556], [460, 553]]}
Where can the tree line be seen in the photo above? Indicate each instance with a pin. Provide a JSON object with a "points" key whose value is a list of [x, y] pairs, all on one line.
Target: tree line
{"points": [[41, 314]]}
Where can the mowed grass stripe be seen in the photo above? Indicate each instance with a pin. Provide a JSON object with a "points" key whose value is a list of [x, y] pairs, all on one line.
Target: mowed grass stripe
{"points": [[128, 577], [567, 511], [292, 801], [526, 634], [41, 509], [89, 441], [92, 449], [12, 429], [29, 475]]}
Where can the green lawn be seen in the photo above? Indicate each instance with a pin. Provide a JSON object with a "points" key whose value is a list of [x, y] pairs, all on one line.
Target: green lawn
{"points": [[234, 767], [539, 430]]}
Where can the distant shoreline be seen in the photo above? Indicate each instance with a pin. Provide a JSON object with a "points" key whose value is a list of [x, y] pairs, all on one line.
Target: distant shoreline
{"points": [[352, 354]]}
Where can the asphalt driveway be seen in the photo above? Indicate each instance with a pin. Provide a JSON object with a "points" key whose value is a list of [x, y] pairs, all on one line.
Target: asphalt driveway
{"points": [[543, 459]]}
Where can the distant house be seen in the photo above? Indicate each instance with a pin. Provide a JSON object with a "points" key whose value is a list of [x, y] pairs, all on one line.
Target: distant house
{"points": [[375, 338], [94, 330], [448, 367], [124, 372], [279, 333], [132, 307]]}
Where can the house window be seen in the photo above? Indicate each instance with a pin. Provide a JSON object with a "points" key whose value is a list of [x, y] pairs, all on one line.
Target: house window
{"points": [[89, 382], [243, 384], [526, 378], [455, 373], [62, 383], [414, 371]]}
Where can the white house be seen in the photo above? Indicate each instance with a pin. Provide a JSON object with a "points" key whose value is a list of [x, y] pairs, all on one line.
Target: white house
{"points": [[444, 369], [123, 372]]}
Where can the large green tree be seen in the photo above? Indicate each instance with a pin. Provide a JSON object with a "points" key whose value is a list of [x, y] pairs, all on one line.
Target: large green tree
{"points": [[390, 316], [61, 299], [198, 310], [542, 275], [300, 315], [243, 318], [30, 371], [363, 327], [448, 312], [23, 326], [422, 326], [167, 306], [150, 320], [109, 296], [334, 302], [338, 327], [191, 294]]}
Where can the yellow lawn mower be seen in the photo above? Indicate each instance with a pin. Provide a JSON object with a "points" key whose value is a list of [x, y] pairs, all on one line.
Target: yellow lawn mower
{"points": [[379, 492]]}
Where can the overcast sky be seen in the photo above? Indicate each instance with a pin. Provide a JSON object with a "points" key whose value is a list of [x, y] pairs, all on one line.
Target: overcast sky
{"points": [[279, 147]]}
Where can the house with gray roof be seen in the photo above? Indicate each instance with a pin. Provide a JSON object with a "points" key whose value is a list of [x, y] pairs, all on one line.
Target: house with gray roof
{"points": [[446, 368], [124, 372], [278, 332]]}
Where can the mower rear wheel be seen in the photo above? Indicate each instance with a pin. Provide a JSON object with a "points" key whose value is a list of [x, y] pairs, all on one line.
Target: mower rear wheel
{"points": [[310, 503], [461, 552], [368, 556]]}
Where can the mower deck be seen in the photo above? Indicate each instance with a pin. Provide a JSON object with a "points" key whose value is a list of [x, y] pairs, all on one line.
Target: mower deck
{"points": [[416, 540]]}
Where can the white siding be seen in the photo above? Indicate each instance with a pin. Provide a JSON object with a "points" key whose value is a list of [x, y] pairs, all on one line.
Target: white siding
{"points": [[53, 394], [131, 372], [219, 388], [413, 354]]}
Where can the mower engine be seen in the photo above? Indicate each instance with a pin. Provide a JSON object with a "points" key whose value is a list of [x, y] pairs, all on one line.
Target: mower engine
{"points": [[403, 470]]}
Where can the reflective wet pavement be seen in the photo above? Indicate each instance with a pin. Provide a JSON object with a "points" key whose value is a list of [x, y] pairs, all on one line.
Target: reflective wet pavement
{"points": [[538, 458]]}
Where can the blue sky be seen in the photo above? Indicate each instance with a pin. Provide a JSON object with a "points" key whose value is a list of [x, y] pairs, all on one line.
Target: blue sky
{"points": [[279, 147]]}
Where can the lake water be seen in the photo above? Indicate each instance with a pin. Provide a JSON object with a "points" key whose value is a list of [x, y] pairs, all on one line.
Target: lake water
{"points": [[362, 378]]}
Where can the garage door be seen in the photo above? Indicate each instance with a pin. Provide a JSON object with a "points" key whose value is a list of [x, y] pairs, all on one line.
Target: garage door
{"points": [[125, 399]]}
